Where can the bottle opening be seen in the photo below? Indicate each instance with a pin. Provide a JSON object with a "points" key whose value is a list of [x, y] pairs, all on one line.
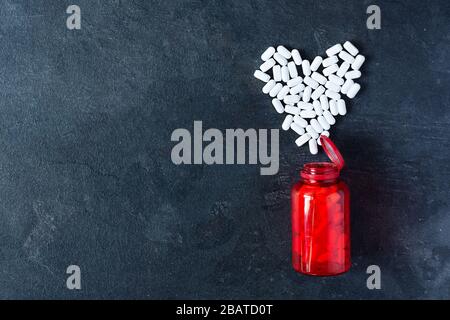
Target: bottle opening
{"points": [[320, 171]]}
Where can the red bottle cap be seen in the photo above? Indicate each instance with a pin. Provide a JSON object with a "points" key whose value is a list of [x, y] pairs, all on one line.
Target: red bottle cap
{"points": [[332, 152]]}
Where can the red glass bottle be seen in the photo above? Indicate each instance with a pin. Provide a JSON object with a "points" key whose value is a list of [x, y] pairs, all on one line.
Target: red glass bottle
{"points": [[321, 217]]}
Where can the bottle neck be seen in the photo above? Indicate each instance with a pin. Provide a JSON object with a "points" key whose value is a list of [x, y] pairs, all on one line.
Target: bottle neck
{"points": [[320, 172]]}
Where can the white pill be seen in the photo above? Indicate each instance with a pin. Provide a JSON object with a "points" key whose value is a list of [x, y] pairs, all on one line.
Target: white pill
{"points": [[333, 108], [305, 105], [316, 125], [296, 57], [291, 99], [278, 105], [291, 109], [355, 74], [324, 133], [300, 121], [317, 107], [302, 139], [344, 55], [319, 78], [325, 125], [307, 94], [267, 65], [276, 73], [343, 69], [297, 89], [268, 86], [300, 131], [307, 114], [292, 69], [275, 90], [359, 60], [329, 61], [313, 146], [317, 93], [261, 76], [324, 102], [315, 64], [346, 86], [331, 69], [287, 122], [332, 95], [335, 79], [353, 90], [311, 82], [351, 48], [284, 52], [283, 92], [280, 59], [332, 86], [268, 54], [306, 68], [342, 109], [312, 132], [334, 50], [294, 81], [329, 117], [285, 73]]}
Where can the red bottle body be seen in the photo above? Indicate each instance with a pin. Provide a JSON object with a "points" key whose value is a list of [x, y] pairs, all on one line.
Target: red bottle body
{"points": [[320, 221]]}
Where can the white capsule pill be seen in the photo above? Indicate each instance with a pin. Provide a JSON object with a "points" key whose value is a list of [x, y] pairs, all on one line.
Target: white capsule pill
{"points": [[354, 89], [316, 125], [342, 109], [291, 99], [313, 146], [332, 95], [283, 92], [329, 117], [344, 55], [351, 48], [324, 133], [319, 78], [333, 108], [355, 74], [276, 73], [300, 121], [317, 93], [307, 114], [331, 69], [273, 93], [305, 105], [268, 86], [324, 102], [294, 82], [296, 57], [346, 86], [302, 139], [261, 76], [312, 132], [332, 86], [285, 73], [268, 54], [329, 61], [267, 65], [284, 52], [278, 105], [292, 69], [307, 94], [359, 60], [325, 125], [280, 59], [343, 69], [334, 50], [287, 122], [317, 107], [311, 82], [297, 89], [315, 64], [291, 109], [300, 131], [306, 68], [335, 79]]}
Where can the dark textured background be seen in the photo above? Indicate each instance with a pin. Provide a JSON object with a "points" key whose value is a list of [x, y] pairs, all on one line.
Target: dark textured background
{"points": [[86, 176]]}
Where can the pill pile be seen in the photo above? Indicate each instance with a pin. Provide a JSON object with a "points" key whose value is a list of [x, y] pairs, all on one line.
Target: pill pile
{"points": [[311, 102]]}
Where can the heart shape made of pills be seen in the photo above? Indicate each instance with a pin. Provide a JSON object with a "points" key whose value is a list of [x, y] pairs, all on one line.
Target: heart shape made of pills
{"points": [[312, 101]]}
